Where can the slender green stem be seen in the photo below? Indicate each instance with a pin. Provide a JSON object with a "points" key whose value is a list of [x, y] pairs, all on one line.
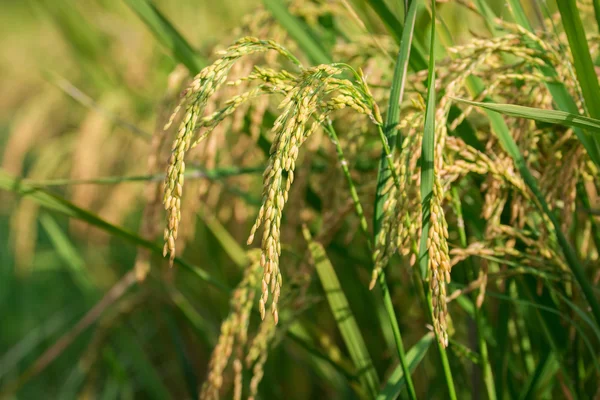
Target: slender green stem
{"points": [[387, 299], [192, 173], [427, 185]]}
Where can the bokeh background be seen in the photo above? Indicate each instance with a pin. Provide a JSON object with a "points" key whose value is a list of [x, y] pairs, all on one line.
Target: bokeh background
{"points": [[84, 85]]}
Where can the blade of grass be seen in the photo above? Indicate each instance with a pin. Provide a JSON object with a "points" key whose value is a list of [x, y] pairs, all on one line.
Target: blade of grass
{"points": [[300, 334], [167, 35], [546, 364], [298, 31], [414, 356], [393, 113], [385, 169], [56, 203], [584, 66], [182, 355], [396, 29], [233, 249], [193, 173], [146, 373], [343, 316], [537, 114], [67, 252], [427, 181]]}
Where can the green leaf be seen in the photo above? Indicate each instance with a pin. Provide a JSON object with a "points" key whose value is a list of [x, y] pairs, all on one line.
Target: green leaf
{"points": [[192, 172], [427, 182], [584, 67], [343, 316], [131, 350], [167, 35], [393, 112], [396, 29], [298, 31], [67, 252], [56, 203], [384, 172], [537, 114], [397, 380]]}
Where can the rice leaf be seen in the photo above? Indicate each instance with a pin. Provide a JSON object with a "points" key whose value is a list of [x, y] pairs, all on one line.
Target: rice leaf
{"points": [[146, 374], [414, 356], [183, 356], [67, 252], [537, 114], [518, 13], [548, 365], [427, 182], [298, 31], [384, 172], [343, 316], [584, 67], [393, 112], [396, 29], [56, 203], [192, 173], [167, 35]]}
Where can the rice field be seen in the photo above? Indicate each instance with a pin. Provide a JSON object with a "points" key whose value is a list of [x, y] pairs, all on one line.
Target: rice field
{"points": [[341, 199]]}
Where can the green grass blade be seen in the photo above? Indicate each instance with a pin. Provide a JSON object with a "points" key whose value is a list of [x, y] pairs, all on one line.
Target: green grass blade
{"points": [[385, 173], [298, 31], [518, 13], [393, 112], [584, 67], [537, 114], [545, 365], [67, 252], [143, 370], [344, 316], [512, 149], [56, 203], [396, 29], [192, 173], [183, 356], [167, 35], [427, 157], [597, 12], [236, 253], [487, 14], [427, 182], [414, 356]]}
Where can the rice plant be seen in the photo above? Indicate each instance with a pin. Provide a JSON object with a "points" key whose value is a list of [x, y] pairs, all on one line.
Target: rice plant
{"points": [[357, 199]]}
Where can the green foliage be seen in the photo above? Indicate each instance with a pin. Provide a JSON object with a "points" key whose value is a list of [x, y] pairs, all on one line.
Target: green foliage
{"points": [[464, 217]]}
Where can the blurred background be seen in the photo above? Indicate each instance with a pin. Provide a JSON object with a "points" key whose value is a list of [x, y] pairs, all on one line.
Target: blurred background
{"points": [[84, 86], [80, 88]]}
